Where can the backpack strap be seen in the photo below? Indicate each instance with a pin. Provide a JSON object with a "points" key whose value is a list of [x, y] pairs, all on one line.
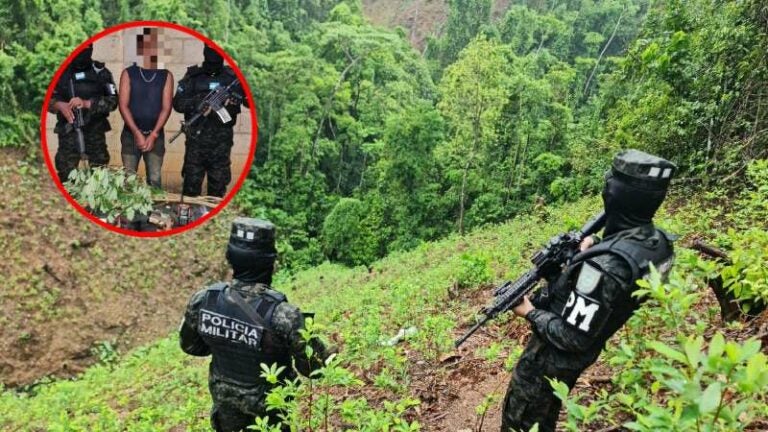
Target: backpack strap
{"points": [[268, 303]]}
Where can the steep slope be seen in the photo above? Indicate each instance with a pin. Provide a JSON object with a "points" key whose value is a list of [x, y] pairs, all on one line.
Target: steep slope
{"points": [[434, 289], [74, 293]]}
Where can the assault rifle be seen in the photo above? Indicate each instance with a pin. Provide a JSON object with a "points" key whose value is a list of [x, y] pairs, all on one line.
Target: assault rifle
{"points": [[549, 260], [214, 101], [77, 125]]}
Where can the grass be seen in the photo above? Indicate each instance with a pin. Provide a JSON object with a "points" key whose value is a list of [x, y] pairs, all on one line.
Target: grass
{"points": [[435, 288], [160, 387]]}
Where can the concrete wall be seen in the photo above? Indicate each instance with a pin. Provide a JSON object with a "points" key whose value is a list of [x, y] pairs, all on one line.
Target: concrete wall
{"points": [[177, 51]]}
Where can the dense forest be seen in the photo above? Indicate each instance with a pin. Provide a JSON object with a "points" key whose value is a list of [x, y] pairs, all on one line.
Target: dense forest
{"points": [[368, 146]]}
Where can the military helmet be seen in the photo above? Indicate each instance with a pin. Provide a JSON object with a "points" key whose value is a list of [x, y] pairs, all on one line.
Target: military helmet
{"points": [[253, 234], [643, 170]]}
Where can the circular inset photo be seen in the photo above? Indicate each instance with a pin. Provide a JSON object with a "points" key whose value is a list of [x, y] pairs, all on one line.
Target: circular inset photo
{"points": [[148, 128]]}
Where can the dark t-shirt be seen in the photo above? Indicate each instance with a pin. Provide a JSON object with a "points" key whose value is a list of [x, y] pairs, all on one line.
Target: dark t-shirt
{"points": [[146, 95]]}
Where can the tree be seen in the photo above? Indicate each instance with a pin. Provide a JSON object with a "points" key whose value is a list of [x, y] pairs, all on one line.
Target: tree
{"points": [[350, 233], [473, 91]]}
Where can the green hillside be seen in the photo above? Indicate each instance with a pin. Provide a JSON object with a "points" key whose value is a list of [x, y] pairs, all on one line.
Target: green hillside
{"points": [[421, 381]]}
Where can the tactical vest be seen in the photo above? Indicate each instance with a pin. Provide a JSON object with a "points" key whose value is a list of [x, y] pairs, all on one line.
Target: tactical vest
{"points": [[581, 298], [238, 342], [89, 83], [201, 83]]}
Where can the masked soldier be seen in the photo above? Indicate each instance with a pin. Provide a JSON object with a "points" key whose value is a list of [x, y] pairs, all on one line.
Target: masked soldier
{"points": [[209, 145], [96, 95], [243, 324], [579, 310]]}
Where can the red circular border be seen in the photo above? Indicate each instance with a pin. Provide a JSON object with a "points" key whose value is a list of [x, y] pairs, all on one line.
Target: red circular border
{"points": [[44, 139]]}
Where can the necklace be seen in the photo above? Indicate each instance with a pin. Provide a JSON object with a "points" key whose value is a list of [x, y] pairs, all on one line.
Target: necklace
{"points": [[141, 72]]}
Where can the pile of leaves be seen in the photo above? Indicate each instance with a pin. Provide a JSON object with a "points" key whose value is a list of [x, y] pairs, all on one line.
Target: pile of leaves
{"points": [[110, 192]]}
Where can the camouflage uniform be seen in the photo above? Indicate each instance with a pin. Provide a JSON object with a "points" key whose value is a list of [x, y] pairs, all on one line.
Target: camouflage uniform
{"points": [[96, 84], [240, 338], [584, 305], [208, 151], [208, 154]]}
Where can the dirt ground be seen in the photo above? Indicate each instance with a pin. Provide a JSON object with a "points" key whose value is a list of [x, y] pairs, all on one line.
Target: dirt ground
{"points": [[74, 293], [421, 18]]}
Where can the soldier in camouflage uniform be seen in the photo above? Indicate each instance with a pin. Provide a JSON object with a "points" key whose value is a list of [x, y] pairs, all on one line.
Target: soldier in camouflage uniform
{"points": [[243, 324], [96, 95], [207, 152], [586, 303]]}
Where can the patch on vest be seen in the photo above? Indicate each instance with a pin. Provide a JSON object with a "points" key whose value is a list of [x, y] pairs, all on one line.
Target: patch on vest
{"points": [[79, 76], [224, 327], [580, 311], [589, 278]]}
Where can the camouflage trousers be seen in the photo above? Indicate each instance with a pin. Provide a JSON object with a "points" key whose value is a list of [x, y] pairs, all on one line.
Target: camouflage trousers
{"points": [[68, 155], [208, 154], [235, 407], [530, 398]]}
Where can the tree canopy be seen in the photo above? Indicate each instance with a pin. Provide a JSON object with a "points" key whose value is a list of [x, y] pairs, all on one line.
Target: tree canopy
{"points": [[367, 146]]}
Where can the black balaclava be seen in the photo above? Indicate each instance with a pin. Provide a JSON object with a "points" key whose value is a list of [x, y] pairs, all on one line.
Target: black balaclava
{"points": [[83, 60], [634, 189], [213, 62], [251, 250]]}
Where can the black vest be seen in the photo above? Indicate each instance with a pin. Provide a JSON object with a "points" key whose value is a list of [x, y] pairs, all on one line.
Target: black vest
{"points": [[93, 81], [201, 83], [238, 342], [638, 248]]}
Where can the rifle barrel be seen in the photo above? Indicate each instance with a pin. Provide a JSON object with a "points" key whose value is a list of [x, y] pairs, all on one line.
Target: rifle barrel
{"points": [[176, 135], [471, 331], [593, 225]]}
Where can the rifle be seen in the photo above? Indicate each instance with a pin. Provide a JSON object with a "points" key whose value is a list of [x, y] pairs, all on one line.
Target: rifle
{"points": [[557, 252], [214, 101], [77, 125]]}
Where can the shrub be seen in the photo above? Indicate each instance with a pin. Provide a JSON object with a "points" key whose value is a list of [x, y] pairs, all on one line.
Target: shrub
{"points": [[110, 192]]}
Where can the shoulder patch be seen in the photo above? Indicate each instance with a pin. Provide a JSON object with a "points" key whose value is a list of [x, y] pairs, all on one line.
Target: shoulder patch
{"points": [[580, 311], [589, 278]]}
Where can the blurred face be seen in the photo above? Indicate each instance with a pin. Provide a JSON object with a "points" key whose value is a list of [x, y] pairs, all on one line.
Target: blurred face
{"points": [[147, 47]]}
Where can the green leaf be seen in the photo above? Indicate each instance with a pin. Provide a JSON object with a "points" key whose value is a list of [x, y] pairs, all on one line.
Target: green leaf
{"points": [[749, 349], [693, 350], [716, 346], [710, 399], [667, 351]]}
